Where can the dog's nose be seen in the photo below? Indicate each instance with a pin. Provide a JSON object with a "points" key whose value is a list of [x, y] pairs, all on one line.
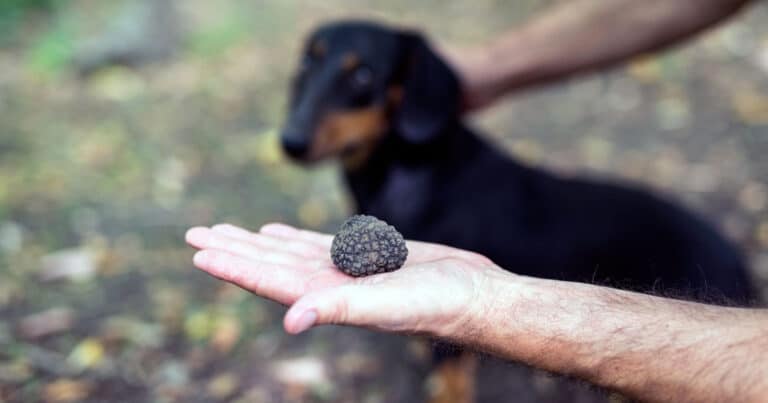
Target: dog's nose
{"points": [[294, 147]]}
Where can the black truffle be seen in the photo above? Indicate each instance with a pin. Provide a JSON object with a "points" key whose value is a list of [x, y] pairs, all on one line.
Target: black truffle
{"points": [[366, 245]]}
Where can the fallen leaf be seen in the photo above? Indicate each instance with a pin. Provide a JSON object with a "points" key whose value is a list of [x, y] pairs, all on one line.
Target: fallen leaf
{"points": [[134, 331], [198, 325], [305, 371], [753, 197], [673, 112], [527, 150], [761, 234], [356, 364], [226, 333], [668, 167], [117, 84], [268, 150], [11, 237], [596, 151], [15, 371], [223, 386], [169, 305], [89, 353], [68, 264], [702, 178], [172, 373], [45, 323], [255, 394], [66, 390], [646, 69], [751, 107]]}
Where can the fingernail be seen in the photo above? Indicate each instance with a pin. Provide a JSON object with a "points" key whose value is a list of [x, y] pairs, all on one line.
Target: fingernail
{"points": [[306, 320]]}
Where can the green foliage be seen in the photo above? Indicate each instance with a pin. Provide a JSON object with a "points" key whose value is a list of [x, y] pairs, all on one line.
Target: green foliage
{"points": [[14, 12], [215, 40], [53, 50]]}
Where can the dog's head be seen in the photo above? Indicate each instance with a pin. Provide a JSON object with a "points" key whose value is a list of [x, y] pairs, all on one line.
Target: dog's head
{"points": [[358, 82]]}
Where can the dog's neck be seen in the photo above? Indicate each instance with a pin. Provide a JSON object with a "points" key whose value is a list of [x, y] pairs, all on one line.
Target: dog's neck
{"points": [[393, 150], [393, 155]]}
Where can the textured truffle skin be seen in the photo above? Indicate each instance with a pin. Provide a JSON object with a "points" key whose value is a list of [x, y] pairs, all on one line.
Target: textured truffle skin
{"points": [[366, 245]]}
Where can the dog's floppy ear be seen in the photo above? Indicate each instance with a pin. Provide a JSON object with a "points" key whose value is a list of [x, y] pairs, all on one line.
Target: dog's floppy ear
{"points": [[430, 91]]}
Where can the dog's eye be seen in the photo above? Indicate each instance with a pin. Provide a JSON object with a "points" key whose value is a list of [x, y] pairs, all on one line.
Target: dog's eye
{"points": [[362, 77]]}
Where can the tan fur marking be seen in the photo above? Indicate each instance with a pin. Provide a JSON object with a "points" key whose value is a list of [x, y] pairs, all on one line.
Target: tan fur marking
{"points": [[360, 129], [340, 131], [349, 61], [453, 381]]}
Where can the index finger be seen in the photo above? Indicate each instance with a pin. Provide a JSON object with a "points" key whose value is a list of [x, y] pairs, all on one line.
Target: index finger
{"points": [[288, 232], [280, 283]]}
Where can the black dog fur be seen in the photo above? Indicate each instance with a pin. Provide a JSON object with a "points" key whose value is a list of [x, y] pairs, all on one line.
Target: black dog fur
{"points": [[436, 180]]}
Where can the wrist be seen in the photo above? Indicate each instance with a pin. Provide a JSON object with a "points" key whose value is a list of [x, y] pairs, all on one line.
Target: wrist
{"points": [[487, 73], [473, 68], [495, 294], [530, 320]]}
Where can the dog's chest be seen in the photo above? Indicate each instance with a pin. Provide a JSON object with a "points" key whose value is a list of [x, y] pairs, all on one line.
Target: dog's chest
{"points": [[403, 197]]}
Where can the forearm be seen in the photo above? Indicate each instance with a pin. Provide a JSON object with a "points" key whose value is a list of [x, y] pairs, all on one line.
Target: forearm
{"points": [[579, 36], [649, 348]]}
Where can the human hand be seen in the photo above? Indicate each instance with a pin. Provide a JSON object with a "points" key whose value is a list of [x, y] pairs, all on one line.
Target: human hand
{"points": [[474, 68], [435, 292]]}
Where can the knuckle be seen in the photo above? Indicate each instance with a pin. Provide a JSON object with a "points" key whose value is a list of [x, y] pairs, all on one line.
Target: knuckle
{"points": [[266, 226], [253, 282], [238, 273], [480, 259]]}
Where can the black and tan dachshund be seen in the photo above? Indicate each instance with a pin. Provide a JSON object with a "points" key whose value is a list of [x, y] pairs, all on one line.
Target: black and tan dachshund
{"points": [[381, 101]]}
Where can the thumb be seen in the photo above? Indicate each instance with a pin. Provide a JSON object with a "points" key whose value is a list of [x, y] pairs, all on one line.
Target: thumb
{"points": [[351, 304]]}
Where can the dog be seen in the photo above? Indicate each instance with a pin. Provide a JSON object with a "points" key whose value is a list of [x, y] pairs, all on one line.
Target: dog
{"points": [[388, 107]]}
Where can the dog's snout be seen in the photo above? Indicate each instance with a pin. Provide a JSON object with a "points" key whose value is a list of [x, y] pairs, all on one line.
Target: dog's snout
{"points": [[294, 146]]}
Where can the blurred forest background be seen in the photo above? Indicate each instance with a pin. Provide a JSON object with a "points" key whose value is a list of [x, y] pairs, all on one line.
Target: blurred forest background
{"points": [[122, 123]]}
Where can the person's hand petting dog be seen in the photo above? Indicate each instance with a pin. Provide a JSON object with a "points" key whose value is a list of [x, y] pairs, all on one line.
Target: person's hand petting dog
{"points": [[433, 293]]}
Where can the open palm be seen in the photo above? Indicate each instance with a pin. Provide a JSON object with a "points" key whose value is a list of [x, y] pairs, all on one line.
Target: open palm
{"points": [[433, 291]]}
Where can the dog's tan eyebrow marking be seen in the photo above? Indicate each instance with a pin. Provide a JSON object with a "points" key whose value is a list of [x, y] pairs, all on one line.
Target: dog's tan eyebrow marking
{"points": [[318, 48], [349, 61]]}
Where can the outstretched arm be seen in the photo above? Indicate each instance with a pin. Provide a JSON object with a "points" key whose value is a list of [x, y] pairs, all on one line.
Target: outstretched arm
{"points": [[580, 36], [646, 347]]}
